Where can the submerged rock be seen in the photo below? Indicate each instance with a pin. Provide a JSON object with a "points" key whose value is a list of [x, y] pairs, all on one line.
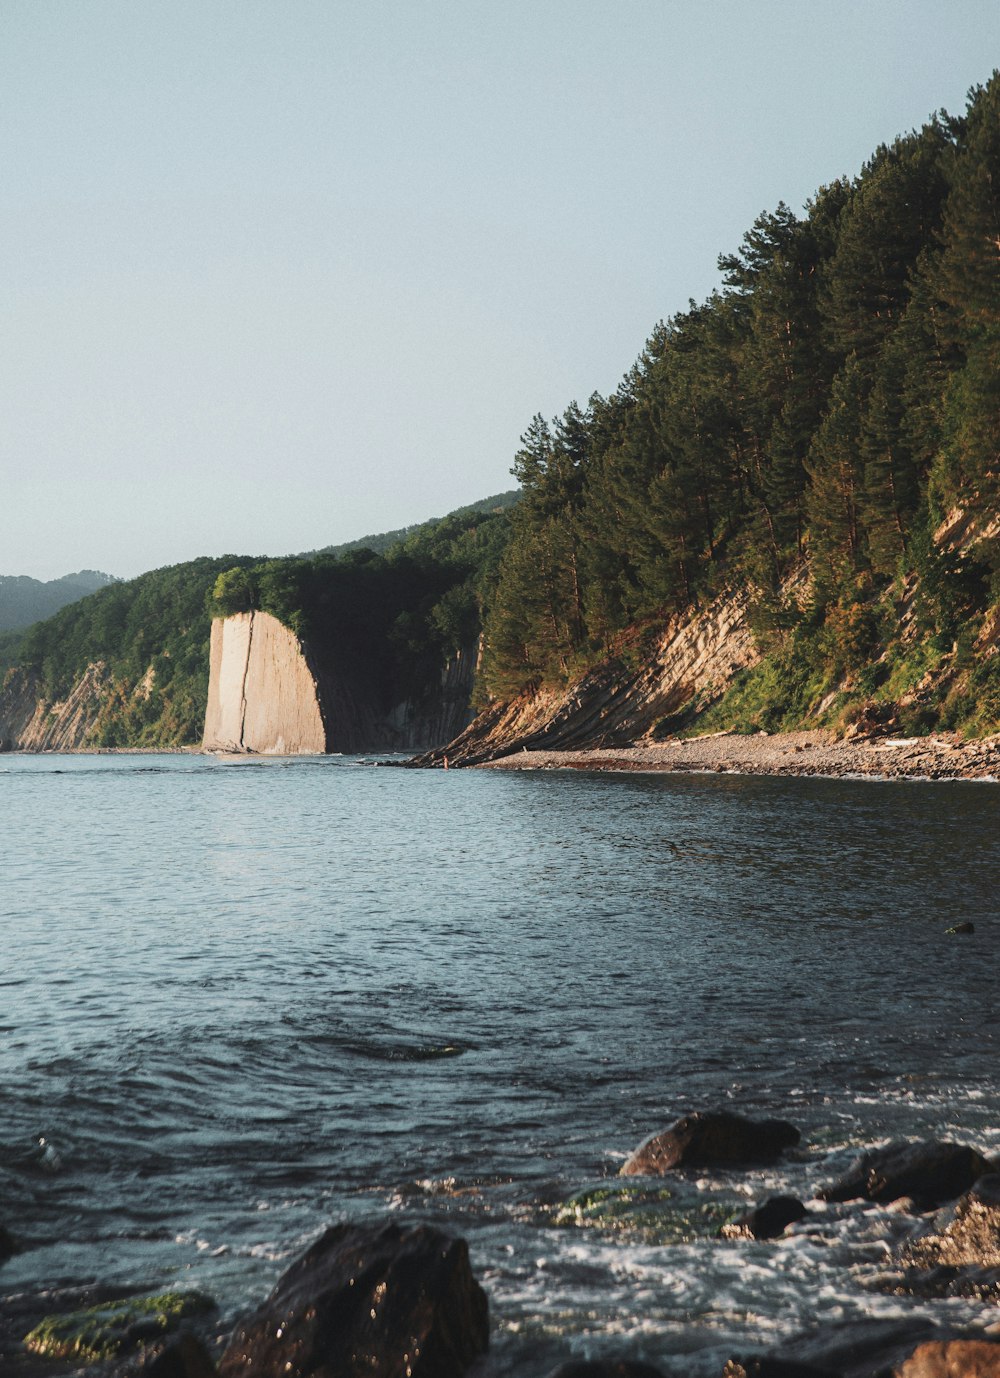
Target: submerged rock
{"points": [[8, 1244], [962, 928], [711, 1138], [769, 1220], [655, 1215], [605, 1368], [851, 1349], [930, 1173], [368, 1301], [114, 1327]]}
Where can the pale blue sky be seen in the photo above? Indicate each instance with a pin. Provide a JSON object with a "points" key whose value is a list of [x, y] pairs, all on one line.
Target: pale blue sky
{"points": [[280, 274]]}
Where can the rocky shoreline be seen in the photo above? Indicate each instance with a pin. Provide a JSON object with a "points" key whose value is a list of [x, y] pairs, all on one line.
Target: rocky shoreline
{"points": [[392, 1299], [816, 753]]}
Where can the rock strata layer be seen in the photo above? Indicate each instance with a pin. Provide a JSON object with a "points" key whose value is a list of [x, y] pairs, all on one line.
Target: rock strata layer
{"points": [[31, 722], [693, 661]]}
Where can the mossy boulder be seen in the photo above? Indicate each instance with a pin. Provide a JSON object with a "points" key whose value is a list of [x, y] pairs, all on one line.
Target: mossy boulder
{"points": [[115, 1327], [657, 1215]]}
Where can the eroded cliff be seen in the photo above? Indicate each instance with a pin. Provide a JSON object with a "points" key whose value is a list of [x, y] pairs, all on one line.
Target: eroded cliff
{"points": [[31, 722], [692, 662]]}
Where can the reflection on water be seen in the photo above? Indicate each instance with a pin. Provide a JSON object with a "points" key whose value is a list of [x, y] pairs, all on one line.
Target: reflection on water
{"points": [[241, 1000]]}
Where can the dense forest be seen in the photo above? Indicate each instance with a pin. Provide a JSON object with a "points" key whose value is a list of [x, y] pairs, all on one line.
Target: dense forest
{"points": [[804, 433], [401, 613]]}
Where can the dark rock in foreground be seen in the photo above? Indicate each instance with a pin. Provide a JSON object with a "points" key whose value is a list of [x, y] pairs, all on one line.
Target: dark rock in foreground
{"points": [[930, 1173], [769, 1220], [708, 1138], [853, 1349], [182, 1356], [368, 1301]]}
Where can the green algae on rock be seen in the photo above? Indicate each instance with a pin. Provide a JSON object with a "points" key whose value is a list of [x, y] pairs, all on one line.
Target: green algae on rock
{"points": [[114, 1327], [654, 1214]]}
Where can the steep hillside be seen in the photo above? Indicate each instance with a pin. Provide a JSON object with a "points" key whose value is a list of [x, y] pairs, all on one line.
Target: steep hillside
{"points": [[719, 668]]}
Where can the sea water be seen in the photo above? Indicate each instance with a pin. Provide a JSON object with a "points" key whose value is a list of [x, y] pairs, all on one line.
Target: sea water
{"points": [[241, 1000]]}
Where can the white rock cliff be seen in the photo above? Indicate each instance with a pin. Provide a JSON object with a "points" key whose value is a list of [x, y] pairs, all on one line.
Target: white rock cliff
{"points": [[262, 694]]}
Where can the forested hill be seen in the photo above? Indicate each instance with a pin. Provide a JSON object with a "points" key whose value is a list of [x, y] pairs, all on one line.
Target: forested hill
{"points": [[400, 613], [384, 541], [818, 416], [24, 600]]}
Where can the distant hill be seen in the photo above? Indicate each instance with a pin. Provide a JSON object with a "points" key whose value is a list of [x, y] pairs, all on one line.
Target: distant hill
{"points": [[385, 540], [24, 600]]}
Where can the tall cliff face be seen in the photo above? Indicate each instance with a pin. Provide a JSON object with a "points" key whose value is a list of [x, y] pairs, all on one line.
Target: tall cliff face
{"points": [[262, 694], [273, 694]]}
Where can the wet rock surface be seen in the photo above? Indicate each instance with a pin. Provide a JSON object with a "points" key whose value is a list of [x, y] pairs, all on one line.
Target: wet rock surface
{"points": [[23, 1311], [181, 1356], [381, 1301], [953, 1359], [852, 1349], [968, 1234], [769, 1220], [711, 1138], [929, 1173], [932, 1284]]}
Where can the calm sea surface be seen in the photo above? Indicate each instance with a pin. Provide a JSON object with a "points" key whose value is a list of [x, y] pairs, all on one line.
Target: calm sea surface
{"points": [[242, 1000]]}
